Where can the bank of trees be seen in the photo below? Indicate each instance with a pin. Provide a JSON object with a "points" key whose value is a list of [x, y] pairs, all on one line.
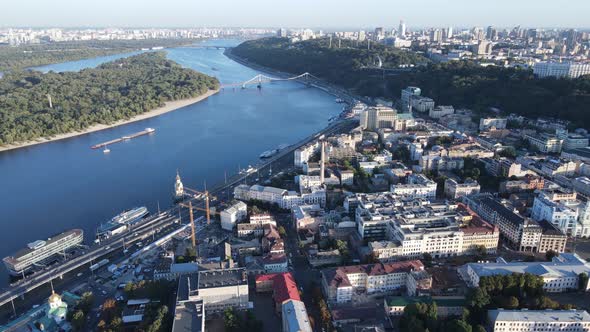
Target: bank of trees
{"points": [[24, 56], [113, 91], [458, 83], [345, 65]]}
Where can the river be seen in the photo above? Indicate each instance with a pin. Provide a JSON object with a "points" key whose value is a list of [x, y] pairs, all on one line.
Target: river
{"points": [[49, 188]]}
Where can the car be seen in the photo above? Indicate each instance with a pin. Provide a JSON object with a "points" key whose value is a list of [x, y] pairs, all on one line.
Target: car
{"points": [[104, 292], [79, 274]]}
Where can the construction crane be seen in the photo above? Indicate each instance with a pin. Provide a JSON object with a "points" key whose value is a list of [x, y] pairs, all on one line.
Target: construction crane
{"points": [[207, 198], [191, 214], [192, 220]]}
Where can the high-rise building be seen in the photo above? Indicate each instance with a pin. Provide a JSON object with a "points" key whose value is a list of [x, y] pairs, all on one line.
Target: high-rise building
{"points": [[450, 32], [282, 32], [436, 36], [379, 33], [374, 118], [402, 29]]}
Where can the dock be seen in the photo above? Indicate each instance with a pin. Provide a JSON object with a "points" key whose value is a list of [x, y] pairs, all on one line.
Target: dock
{"points": [[123, 138]]}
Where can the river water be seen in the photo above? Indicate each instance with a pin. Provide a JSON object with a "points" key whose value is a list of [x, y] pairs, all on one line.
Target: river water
{"points": [[53, 187]]}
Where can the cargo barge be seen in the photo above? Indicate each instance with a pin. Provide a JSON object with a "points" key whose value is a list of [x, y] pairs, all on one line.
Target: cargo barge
{"points": [[124, 138]]}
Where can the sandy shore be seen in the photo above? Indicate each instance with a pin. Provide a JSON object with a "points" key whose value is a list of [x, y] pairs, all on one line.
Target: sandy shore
{"points": [[168, 107]]}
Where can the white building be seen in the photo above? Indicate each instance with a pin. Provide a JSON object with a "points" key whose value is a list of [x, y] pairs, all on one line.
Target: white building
{"points": [[407, 95], [582, 185], [422, 104], [233, 215], [440, 111], [377, 117], [283, 198], [295, 317], [564, 69], [455, 190], [419, 186], [304, 153], [487, 123], [559, 275], [545, 143], [539, 320], [562, 214], [342, 284], [218, 289]]}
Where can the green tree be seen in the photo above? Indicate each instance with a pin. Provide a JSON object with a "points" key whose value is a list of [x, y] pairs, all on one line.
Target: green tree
{"points": [[583, 281], [86, 302], [457, 325], [481, 251], [230, 320], [550, 254], [78, 320], [282, 231], [479, 328], [478, 298]]}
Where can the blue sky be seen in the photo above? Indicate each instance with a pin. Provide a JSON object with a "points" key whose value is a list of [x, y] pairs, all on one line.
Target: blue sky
{"points": [[291, 13]]}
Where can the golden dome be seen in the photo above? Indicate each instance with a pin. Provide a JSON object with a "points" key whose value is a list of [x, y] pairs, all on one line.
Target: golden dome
{"points": [[54, 297]]}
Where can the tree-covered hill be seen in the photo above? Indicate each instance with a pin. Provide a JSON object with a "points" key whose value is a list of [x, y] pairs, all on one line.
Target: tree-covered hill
{"points": [[345, 65], [461, 83], [113, 91]]}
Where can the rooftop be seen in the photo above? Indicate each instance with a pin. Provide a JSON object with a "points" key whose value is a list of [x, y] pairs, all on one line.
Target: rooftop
{"points": [[189, 316], [549, 316], [222, 278]]}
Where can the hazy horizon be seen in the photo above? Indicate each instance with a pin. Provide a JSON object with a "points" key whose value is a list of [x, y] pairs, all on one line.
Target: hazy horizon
{"points": [[326, 14]]}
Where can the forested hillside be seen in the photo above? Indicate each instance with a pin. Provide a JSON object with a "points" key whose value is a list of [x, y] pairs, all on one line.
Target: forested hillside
{"points": [[461, 83], [113, 91]]}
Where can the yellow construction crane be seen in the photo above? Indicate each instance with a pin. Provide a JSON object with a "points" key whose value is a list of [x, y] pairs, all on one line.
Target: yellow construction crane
{"points": [[192, 220], [207, 198]]}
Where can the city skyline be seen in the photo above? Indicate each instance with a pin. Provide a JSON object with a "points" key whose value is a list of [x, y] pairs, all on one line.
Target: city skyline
{"points": [[305, 13]]}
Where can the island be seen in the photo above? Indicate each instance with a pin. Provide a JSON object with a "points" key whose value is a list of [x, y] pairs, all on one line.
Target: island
{"points": [[37, 107], [33, 55]]}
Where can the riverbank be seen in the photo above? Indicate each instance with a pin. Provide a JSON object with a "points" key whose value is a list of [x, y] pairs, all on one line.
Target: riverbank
{"points": [[330, 88], [168, 107]]}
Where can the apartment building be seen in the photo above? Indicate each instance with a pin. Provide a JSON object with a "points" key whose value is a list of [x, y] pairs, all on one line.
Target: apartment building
{"points": [[344, 284], [559, 275], [233, 215], [454, 190], [522, 234], [418, 186], [524, 320]]}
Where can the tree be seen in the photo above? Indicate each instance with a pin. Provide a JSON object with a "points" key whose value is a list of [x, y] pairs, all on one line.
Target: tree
{"points": [[479, 328], [78, 320], [478, 298], [550, 254], [481, 251], [427, 259], [190, 253], [282, 231], [458, 325], [512, 302], [86, 302], [116, 324], [583, 281], [230, 320]]}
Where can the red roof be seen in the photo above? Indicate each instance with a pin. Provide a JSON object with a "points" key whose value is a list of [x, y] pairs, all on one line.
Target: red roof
{"points": [[265, 277], [285, 288]]}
